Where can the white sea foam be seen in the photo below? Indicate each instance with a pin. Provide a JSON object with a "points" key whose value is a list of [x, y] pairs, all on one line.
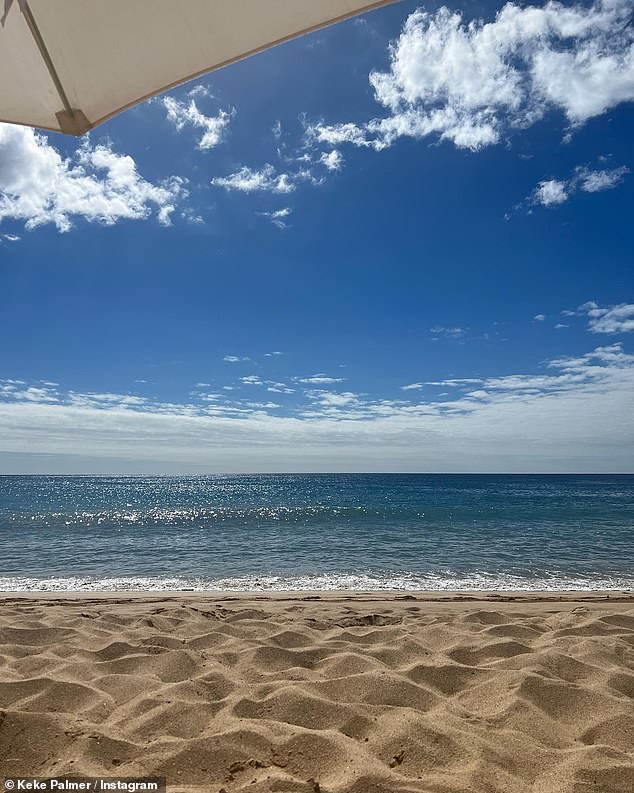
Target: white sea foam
{"points": [[327, 582]]}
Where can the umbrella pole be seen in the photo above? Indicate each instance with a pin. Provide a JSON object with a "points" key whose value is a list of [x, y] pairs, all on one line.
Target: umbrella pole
{"points": [[70, 119]]}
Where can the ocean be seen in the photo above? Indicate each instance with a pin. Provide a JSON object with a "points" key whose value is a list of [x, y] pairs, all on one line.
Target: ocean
{"points": [[317, 532]]}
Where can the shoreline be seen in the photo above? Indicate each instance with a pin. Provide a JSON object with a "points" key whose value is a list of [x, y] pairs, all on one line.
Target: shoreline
{"points": [[382, 596]]}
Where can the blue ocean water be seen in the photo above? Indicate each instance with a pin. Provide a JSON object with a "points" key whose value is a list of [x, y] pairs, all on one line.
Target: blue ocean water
{"points": [[323, 532]]}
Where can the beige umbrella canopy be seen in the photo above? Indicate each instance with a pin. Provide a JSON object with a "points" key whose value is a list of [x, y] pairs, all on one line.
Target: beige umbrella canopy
{"points": [[68, 65]]}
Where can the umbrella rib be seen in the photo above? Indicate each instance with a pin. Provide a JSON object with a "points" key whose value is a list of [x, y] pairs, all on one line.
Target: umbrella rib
{"points": [[35, 32]]}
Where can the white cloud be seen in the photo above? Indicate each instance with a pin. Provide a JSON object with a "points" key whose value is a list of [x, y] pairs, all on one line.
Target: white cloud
{"points": [[574, 415], [105, 400], [452, 333], [11, 237], [594, 181], [251, 379], [609, 319], [473, 82], [455, 382], [235, 358], [333, 160], [278, 217], [337, 134], [273, 354], [331, 399], [183, 114], [550, 192], [38, 186], [201, 91], [250, 180], [279, 388], [30, 393], [539, 317], [192, 217], [319, 379], [208, 397]]}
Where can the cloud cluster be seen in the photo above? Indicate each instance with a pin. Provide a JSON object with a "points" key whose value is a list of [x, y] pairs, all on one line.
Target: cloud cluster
{"points": [[319, 379], [609, 319], [251, 180], [279, 218], [449, 333], [38, 186], [183, 114], [471, 83], [279, 388], [573, 415], [268, 179], [552, 192], [332, 160], [468, 82]]}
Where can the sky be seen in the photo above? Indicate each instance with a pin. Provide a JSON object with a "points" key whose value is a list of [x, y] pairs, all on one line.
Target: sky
{"points": [[401, 243]]}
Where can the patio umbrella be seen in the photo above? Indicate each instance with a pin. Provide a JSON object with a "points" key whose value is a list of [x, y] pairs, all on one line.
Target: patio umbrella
{"points": [[69, 65]]}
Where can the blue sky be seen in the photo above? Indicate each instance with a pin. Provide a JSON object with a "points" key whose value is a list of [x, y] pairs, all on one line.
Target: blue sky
{"points": [[401, 243]]}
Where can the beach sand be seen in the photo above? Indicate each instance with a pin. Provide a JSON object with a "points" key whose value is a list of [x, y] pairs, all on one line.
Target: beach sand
{"points": [[322, 693]]}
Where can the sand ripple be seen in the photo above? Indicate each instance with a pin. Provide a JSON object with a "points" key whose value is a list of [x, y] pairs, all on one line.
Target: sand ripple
{"points": [[322, 695]]}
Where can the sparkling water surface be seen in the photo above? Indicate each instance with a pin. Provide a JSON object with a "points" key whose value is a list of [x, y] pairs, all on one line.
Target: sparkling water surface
{"points": [[339, 531]]}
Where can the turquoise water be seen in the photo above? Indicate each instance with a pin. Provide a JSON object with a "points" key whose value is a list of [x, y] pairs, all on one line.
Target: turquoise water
{"points": [[353, 531]]}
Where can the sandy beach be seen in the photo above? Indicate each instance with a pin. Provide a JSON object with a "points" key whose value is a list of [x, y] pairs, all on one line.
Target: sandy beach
{"points": [[327, 692]]}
